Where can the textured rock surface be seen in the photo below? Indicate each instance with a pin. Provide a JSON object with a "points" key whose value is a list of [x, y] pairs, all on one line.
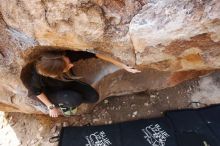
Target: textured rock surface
{"points": [[182, 34], [180, 39]]}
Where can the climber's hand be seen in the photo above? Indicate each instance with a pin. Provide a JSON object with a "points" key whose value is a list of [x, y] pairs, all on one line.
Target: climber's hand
{"points": [[131, 69], [54, 112]]}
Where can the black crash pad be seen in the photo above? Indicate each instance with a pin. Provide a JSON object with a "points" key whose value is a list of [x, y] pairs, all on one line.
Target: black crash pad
{"points": [[191, 127]]}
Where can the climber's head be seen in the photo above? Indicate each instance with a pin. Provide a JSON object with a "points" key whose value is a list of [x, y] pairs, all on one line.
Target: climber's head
{"points": [[53, 64]]}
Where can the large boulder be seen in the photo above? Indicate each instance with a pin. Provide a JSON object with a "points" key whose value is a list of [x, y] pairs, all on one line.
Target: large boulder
{"points": [[169, 41]]}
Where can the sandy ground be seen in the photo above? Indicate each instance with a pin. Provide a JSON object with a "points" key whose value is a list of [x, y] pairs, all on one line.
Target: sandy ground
{"points": [[35, 130]]}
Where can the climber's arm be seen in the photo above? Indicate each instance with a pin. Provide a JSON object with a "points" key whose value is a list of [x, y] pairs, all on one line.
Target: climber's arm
{"points": [[117, 63], [42, 97], [53, 112]]}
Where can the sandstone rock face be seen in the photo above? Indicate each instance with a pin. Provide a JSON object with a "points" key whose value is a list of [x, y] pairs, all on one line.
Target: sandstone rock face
{"points": [[169, 41], [182, 34]]}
